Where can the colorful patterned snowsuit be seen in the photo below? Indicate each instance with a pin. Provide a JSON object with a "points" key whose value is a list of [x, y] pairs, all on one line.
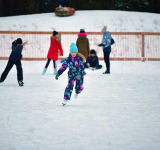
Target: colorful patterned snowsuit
{"points": [[76, 67]]}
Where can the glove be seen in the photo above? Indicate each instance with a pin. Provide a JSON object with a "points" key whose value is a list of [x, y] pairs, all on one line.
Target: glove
{"points": [[78, 77], [56, 77], [87, 65]]}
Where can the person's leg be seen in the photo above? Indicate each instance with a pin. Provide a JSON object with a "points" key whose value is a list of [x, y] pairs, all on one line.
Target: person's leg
{"points": [[105, 59], [46, 66], [108, 62], [99, 67], [54, 64], [79, 85], [6, 71], [55, 67], [19, 70], [69, 88]]}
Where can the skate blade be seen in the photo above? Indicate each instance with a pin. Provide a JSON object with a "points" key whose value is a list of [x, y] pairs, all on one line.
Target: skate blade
{"points": [[63, 104]]}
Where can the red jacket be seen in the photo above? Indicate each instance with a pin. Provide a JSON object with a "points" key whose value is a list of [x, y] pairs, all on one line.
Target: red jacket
{"points": [[53, 50]]}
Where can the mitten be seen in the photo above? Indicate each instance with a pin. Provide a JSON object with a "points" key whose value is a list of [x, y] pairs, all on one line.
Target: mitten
{"points": [[78, 77], [87, 65]]}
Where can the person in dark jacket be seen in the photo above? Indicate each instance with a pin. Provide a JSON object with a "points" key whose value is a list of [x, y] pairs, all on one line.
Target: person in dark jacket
{"points": [[15, 58], [92, 61], [106, 43]]}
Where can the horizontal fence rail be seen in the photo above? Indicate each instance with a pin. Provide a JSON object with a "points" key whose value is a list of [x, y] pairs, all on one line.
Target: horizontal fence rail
{"points": [[128, 45]]}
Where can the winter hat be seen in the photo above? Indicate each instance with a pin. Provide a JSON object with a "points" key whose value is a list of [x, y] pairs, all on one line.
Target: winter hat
{"points": [[73, 48], [55, 33], [104, 29], [19, 41], [82, 31], [92, 51]]}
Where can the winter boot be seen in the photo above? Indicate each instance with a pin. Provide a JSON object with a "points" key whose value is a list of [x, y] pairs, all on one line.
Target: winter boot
{"points": [[64, 102], [55, 71], [44, 71], [75, 95], [20, 83], [106, 72]]}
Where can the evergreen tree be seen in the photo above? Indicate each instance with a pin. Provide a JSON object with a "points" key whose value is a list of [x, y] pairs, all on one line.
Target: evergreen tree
{"points": [[131, 5]]}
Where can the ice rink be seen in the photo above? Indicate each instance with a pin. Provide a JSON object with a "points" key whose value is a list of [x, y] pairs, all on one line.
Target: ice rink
{"points": [[120, 111]]}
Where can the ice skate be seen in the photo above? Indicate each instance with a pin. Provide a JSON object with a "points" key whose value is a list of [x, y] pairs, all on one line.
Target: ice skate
{"points": [[20, 83], [106, 72], [64, 102], [75, 95], [55, 71], [44, 71]]}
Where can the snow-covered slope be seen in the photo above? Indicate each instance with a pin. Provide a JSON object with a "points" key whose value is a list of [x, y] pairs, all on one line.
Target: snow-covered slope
{"points": [[117, 21]]}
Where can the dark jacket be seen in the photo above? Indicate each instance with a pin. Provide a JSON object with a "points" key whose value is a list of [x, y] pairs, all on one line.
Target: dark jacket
{"points": [[16, 53], [107, 49], [83, 45], [93, 61]]}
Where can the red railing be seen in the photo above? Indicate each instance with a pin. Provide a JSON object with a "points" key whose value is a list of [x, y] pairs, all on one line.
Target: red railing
{"points": [[128, 45]]}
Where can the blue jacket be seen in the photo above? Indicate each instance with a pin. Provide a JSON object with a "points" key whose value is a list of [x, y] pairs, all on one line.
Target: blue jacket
{"points": [[16, 53], [75, 64], [107, 42]]}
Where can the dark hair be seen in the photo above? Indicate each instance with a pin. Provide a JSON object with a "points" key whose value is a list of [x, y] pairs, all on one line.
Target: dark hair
{"points": [[92, 51], [82, 31], [55, 33], [19, 41]]}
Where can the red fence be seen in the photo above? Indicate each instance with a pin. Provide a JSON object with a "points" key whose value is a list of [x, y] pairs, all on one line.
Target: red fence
{"points": [[128, 45]]}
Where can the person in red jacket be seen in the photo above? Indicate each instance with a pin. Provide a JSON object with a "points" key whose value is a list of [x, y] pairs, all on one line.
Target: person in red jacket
{"points": [[55, 46]]}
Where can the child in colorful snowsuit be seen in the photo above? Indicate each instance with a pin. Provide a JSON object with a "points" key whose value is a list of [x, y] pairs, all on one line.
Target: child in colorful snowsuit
{"points": [[75, 73], [53, 52], [92, 61], [15, 59]]}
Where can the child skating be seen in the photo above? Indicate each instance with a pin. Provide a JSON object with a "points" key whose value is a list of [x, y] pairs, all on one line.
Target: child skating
{"points": [[75, 73], [15, 59], [55, 45]]}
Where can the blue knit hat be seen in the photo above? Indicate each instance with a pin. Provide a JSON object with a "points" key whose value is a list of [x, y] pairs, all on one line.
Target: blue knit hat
{"points": [[73, 48]]}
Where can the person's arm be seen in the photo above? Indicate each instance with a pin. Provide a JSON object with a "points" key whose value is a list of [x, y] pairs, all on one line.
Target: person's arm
{"points": [[100, 44], [63, 67], [23, 43]]}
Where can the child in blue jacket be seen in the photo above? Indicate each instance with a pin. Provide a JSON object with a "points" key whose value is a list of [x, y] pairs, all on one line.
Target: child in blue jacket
{"points": [[15, 59], [75, 73]]}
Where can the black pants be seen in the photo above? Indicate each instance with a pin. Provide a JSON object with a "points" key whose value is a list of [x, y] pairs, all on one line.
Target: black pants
{"points": [[48, 62], [9, 67], [107, 61]]}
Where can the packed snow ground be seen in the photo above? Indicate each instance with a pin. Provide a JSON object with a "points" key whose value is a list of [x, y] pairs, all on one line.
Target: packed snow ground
{"points": [[119, 111], [117, 21]]}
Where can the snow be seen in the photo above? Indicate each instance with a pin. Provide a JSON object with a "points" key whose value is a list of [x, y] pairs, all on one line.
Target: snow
{"points": [[117, 21], [117, 111]]}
